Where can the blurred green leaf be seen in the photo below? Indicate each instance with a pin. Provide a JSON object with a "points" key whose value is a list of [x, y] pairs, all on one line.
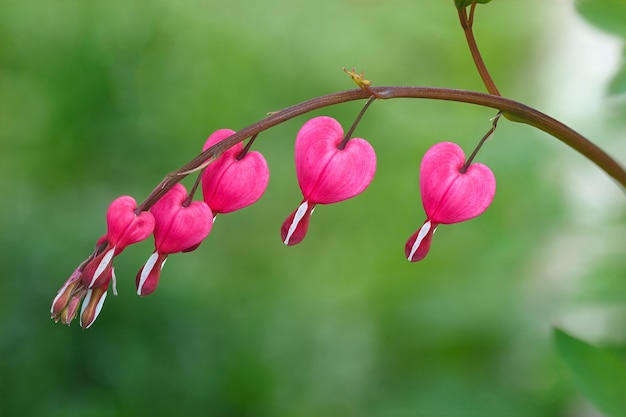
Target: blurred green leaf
{"points": [[598, 374], [608, 15], [461, 4]]}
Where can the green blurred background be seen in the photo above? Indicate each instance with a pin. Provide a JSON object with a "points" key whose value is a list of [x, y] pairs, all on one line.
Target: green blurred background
{"points": [[100, 99]]}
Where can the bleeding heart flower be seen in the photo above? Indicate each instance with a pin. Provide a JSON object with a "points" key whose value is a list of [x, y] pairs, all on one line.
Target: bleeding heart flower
{"points": [[233, 181], [327, 171], [179, 227], [449, 195], [125, 227]]}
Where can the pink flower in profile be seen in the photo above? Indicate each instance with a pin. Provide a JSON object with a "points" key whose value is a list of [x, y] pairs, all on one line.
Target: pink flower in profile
{"points": [[125, 227], [180, 226], [236, 179], [448, 194], [90, 281], [329, 170]]}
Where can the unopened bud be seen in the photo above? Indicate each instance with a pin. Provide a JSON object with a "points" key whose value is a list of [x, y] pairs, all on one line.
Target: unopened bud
{"points": [[92, 304]]}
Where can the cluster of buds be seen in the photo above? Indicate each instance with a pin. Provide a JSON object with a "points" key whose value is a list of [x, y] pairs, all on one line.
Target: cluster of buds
{"points": [[330, 168], [235, 180]]}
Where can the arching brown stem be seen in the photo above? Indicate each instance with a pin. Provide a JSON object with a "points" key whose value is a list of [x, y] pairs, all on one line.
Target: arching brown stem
{"points": [[516, 111]]}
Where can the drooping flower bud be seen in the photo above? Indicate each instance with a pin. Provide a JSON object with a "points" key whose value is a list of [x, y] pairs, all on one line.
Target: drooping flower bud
{"points": [[179, 227], [326, 172], [449, 195], [61, 309], [233, 181], [92, 305]]}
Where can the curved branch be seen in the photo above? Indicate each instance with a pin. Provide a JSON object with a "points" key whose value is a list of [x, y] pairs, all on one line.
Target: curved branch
{"points": [[515, 111]]}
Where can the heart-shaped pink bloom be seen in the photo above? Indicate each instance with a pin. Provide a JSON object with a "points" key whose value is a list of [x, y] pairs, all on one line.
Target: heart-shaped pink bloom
{"points": [[449, 195], [125, 227], [229, 183], [178, 228], [326, 174]]}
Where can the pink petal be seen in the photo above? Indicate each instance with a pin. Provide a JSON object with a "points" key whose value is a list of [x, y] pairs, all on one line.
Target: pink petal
{"points": [[179, 228], [98, 271], [124, 226], [149, 275], [418, 245], [294, 228], [229, 184], [220, 135], [325, 173], [449, 196]]}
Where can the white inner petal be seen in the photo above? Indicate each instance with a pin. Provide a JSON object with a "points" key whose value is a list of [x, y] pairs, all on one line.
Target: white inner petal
{"points": [[114, 281], [55, 301], [102, 266], [420, 236], [145, 272], [296, 220], [85, 303]]}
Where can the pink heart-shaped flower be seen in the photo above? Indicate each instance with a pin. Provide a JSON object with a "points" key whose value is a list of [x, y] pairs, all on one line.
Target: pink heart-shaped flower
{"points": [[448, 195], [178, 227], [229, 183], [125, 227], [327, 174]]}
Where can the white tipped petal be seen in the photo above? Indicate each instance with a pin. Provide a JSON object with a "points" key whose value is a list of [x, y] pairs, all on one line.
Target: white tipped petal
{"points": [[106, 260], [300, 213], [145, 271], [418, 241], [97, 309]]}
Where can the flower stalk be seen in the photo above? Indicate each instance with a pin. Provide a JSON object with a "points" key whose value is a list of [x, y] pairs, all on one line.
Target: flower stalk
{"points": [[516, 111], [467, 23], [488, 135], [348, 135]]}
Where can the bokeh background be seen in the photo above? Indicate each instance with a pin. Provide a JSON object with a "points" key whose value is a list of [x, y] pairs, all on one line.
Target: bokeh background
{"points": [[100, 99]]}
